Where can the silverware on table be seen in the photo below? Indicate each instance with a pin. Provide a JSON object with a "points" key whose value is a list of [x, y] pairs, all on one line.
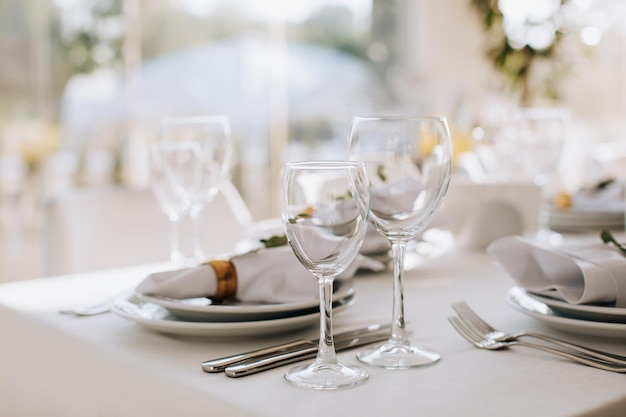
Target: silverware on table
{"points": [[485, 343], [263, 364], [297, 350], [473, 321]]}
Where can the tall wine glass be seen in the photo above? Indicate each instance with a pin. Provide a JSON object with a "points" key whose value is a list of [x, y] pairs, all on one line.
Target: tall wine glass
{"points": [[324, 208], [175, 171], [409, 161], [212, 135]]}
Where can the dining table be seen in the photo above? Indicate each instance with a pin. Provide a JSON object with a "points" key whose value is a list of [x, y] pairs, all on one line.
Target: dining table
{"points": [[104, 365]]}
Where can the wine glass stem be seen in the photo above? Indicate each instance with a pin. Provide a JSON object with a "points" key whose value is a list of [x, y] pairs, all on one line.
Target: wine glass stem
{"points": [[326, 352], [197, 232], [398, 327], [176, 255]]}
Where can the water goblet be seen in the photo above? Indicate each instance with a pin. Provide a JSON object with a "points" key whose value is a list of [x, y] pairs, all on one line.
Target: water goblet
{"points": [[324, 208], [409, 161], [213, 136], [540, 136], [174, 172]]}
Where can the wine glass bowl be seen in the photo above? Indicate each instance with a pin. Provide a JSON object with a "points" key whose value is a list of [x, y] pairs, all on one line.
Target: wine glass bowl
{"points": [[324, 208], [409, 162], [211, 135]]}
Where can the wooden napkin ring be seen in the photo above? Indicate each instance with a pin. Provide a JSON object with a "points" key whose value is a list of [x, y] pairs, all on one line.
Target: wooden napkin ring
{"points": [[226, 275]]}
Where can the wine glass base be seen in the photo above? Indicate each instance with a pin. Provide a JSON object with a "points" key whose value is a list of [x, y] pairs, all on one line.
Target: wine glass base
{"points": [[398, 356], [326, 376]]}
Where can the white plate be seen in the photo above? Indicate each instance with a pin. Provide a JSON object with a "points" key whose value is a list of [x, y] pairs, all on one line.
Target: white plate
{"points": [[565, 219], [157, 318], [201, 309], [583, 312], [520, 300]]}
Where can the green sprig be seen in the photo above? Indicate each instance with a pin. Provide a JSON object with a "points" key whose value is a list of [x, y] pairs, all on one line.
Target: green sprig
{"points": [[607, 237], [274, 241]]}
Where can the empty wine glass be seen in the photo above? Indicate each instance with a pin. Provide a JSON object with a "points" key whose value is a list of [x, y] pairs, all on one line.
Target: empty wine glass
{"points": [[324, 208], [213, 137], [175, 171], [409, 161], [540, 136]]}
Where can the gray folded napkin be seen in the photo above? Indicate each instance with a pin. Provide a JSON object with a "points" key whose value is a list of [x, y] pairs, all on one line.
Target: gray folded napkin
{"points": [[575, 272], [271, 275]]}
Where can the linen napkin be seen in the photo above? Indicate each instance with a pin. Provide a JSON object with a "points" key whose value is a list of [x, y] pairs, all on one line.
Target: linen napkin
{"points": [[578, 273], [272, 275]]}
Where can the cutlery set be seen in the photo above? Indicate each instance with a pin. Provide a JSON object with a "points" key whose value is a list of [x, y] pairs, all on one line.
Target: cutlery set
{"points": [[252, 362], [482, 335], [467, 323]]}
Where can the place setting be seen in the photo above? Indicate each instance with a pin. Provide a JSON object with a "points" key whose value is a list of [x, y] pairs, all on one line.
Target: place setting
{"points": [[340, 219], [589, 209], [270, 297], [259, 287], [574, 286]]}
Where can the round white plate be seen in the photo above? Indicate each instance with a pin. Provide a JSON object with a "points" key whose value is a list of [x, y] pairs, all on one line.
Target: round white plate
{"points": [[201, 309], [565, 219], [587, 215], [157, 318], [521, 301], [583, 312]]}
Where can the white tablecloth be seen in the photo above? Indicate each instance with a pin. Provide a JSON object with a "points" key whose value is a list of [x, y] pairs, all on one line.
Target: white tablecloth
{"points": [[59, 365]]}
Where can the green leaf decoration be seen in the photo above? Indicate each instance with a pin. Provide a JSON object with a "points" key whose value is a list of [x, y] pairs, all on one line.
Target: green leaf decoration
{"points": [[607, 237], [274, 241]]}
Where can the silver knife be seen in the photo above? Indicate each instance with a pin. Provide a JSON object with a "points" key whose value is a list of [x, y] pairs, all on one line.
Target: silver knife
{"points": [[219, 364], [254, 366]]}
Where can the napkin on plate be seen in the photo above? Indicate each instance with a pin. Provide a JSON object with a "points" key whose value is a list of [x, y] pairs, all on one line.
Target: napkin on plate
{"points": [[578, 273], [271, 275], [607, 199]]}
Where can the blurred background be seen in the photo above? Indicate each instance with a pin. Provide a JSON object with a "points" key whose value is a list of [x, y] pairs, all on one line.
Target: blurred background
{"points": [[84, 83]]}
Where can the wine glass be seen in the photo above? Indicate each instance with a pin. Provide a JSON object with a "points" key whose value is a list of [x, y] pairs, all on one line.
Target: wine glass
{"points": [[212, 135], [540, 136], [175, 171], [324, 206], [409, 161]]}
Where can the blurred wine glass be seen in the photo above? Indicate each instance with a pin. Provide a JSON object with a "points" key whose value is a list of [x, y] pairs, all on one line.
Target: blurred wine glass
{"points": [[494, 152], [540, 136], [212, 135], [175, 171], [324, 207], [409, 161]]}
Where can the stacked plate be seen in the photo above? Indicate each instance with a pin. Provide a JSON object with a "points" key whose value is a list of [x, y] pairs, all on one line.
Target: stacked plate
{"points": [[580, 221], [590, 320], [199, 317]]}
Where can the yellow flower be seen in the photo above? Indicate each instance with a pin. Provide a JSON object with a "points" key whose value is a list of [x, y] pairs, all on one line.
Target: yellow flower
{"points": [[37, 141]]}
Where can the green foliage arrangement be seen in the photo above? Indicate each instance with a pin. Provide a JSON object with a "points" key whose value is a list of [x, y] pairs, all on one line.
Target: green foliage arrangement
{"points": [[515, 62]]}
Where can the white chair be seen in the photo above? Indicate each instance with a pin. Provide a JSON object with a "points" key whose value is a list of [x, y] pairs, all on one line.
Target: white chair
{"points": [[108, 227]]}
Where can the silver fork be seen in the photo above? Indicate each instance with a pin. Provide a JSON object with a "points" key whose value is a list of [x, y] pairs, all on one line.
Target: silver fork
{"points": [[472, 320], [491, 344]]}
